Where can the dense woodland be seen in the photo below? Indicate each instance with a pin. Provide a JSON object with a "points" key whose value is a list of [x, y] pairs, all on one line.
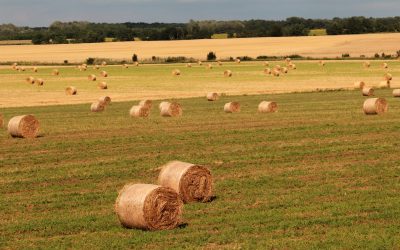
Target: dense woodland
{"points": [[86, 32]]}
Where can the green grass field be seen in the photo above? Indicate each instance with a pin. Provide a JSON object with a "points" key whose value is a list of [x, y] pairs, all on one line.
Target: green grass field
{"points": [[318, 32], [317, 174]]}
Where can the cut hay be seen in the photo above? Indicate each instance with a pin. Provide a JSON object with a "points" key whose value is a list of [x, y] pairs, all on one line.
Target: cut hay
{"points": [[71, 90], [92, 77], [125, 66], [396, 92], [388, 77], [278, 67], [384, 84], [102, 85], [170, 109], [39, 82], [176, 72], [56, 72], [35, 69], [276, 73], [228, 73], [104, 74], [139, 111], [103, 63], [284, 70], [232, 107], [97, 106], [96, 67], [24, 126], [30, 80], [366, 91], [136, 64], [359, 85], [146, 103], [200, 63], [375, 106], [188, 65], [367, 64], [321, 63], [148, 207], [267, 107], [209, 66], [385, 65], [237, 60], [292, 66], [106, 100], [219, 63], [212, 97], [192, 182], [266, 64]]}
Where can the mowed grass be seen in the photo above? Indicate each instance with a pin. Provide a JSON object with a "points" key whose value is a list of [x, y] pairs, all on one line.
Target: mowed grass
{"points": [[317, 174], [157, 82]]}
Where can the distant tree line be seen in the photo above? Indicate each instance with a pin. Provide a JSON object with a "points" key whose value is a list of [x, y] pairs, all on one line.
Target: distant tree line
{"points": [[86, 32]]}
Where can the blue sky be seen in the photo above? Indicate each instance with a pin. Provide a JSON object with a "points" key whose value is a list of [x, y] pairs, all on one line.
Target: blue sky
{"points": [[44, 12]]}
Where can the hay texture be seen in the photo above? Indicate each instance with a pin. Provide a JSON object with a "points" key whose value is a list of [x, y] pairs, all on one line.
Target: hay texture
{"points": [[267, 107], [384, 84], [359, 85], [39, 82], [102, 85], [71, 91], [232, 107], [104, 73], [388, 77], [92, 77], [146, 103], [168, 109], [396, 93], [97, 106], [228, 73], [284, 70], [35, 69], [30, 80], [148, 207], [176, 72], [106, 100], [366, 91], [55, 72], [192, 182], [209, 66], [276, 72], [385, 65], [375, 106], [212, 97], [267, 71], [189, 65], [24, 126], [139, 111], [367, 64]]}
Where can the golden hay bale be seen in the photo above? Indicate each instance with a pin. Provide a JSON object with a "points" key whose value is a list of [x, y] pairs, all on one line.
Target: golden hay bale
{"points": [[136, 64], [267, 71], [385, 65], [396, 92], [97, 106], [321, 63], [71, 90], [388, 77], [237, 60], [276, 73], [384, 84], [14, 66], [209, 66], [102, 85], [163, 104], [146, 103], [56, 72], [30, 80], [39, 81], [292, 66], [25, 126], [148, 207], [228, 73], [189, 65], [367, 64], [176, 72], [266, 64], [200, 63], [21, 68], [192, 182], [104, 74], [267, 107], [103, 63], [92, 77], [359, 85], [375, 106], [288, 60], [366, 91], [284, 70], [278, 67], [35, 69], [139, 111], [171, 109], [232, 107], [96, 67], [106, 100], [125, 66], [219, 63], [212, 97]]}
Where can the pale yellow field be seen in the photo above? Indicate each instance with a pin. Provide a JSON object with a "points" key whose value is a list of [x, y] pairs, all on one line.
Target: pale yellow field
{"points": [[314, 46], [157, 82]]}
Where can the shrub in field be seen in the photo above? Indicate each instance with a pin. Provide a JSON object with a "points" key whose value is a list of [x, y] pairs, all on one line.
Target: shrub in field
{"points": [[90, 60], [211, 56], [134, 58]]}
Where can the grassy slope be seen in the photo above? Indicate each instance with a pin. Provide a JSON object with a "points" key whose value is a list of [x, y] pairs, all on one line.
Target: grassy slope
{"points": [[316, 174]]}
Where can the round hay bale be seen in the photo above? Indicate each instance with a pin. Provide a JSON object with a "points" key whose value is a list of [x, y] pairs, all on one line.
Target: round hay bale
{"points": [[359, 85], [163, 104], [82, 68], [103, 63], [396, 92], [278, 67], [102, 85], [292, 66], [266, 64], [21, 68], [106, 100], [56, 72], [171, 110], [92, 77], [148, 207], [288, 60], [176, 72], [367, 64], [388, 77], [14, 66], [267, 71], [24, 126], [321, 63], [267, 107], [366, 91], [146, 103], [125, 66], [276, 73], [232, 107], [97, 106], [96, 67], [71, 90], [39, 81], [139, 111], [284, 70], [219, 63], [35, 69], [237, 60], [385, 65], [375, 106], [209, 66], [384, 84], [192, 182], [104, 74], [200, 63], [30, 80], [212, 97], [228, 73], [189, 65]]}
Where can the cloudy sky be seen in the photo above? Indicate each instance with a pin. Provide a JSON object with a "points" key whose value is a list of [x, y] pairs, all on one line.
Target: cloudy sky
{"points": [[44, 12]]}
